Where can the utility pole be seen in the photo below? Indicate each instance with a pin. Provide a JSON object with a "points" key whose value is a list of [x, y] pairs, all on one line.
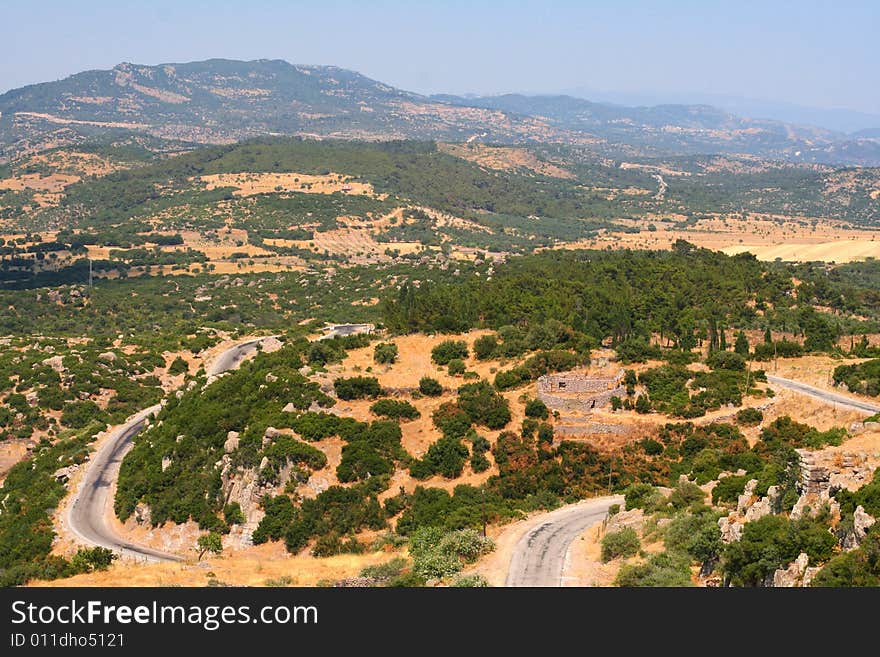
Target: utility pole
{"points": [[748, 376], [483, 505]]}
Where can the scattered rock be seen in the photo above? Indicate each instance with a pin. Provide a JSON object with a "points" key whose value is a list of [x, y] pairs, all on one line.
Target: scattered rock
{"points": [[359, 582], [289, 408], [759, 509], [231, 443], [633, 518], [793, 576], [107, 357], [731, 529], [271, 378], [142, 514], [166, 463], [63, 474], [56, 363], [862, 522], [271, 344], [744, 501]]}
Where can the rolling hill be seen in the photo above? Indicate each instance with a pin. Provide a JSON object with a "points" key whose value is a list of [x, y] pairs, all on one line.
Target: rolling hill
{"points": [[223, 101]]}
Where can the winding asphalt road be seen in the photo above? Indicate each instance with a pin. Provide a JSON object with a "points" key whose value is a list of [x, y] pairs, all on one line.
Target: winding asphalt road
{"points": [[824, 395], [232, 357], [88, 513], [542, 553]]}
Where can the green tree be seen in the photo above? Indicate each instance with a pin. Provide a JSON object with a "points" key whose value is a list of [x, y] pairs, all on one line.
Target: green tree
{"points": [[485, 347], [210, 542], [178, 366], [456, 367], [385, 353], [449, 350], [742, 344], [430, 387]]}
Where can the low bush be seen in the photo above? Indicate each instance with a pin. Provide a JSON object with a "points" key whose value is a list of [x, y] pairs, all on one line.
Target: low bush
{"points": [[623, 543], [449, 350], [395, 409], [430, 387]]}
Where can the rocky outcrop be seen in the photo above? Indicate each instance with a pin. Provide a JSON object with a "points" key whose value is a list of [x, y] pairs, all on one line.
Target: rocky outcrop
{"points": [[231, 444], [142, 514], [271, 344], [759, 509], [862, 522], [63, 474], [56, 363], [811, 504], [796, 575], [731, 529], [744, 501], [243, 487], [618, 521]]}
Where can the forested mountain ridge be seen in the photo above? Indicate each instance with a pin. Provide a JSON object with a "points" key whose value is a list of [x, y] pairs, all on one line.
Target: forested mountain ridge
{"points": [[220, 101]]}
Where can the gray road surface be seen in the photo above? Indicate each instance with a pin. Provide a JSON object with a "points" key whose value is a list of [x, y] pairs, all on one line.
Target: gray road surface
{"points": [[824, 395], [89, 510], [541, 555], [232, 357]]}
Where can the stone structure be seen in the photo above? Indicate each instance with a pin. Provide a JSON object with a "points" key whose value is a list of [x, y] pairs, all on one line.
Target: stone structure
{"points": [[572, 391], [591, 429], [814, 477]]}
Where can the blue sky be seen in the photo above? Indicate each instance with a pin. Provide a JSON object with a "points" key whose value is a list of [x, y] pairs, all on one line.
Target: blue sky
{"points": [[822, 54]]}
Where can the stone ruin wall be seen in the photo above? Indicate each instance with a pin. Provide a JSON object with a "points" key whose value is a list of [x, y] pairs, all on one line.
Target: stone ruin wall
{"points": [[593, 392], [591, 429], [577, 383], [583, 403]]}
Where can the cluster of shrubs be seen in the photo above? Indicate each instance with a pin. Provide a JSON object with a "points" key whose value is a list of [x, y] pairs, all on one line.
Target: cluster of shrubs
{"points": [[357, 387]]}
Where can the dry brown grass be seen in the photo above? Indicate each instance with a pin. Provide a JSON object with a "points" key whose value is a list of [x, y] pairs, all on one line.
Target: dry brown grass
{"points": [[255, 567], [247, 184], [505, 159], [767, 236]]}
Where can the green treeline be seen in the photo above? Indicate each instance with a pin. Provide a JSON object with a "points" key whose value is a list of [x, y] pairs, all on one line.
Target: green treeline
{"points": [[688, 296]]}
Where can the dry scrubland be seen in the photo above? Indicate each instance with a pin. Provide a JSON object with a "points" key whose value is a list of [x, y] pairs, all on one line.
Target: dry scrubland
{"points": [[271, 564]]}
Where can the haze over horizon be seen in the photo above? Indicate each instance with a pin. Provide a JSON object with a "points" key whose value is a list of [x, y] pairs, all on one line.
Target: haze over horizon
{"points": [[766, 59]]}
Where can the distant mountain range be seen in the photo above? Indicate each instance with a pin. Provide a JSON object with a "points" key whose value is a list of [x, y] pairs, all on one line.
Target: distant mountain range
{"points": [[221, 101], [837, 119]]}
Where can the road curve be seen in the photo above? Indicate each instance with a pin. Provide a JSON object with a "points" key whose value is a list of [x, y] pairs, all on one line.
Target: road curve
{"points": [[232, 357], [541, 554], [89, 510], [824, 395]]}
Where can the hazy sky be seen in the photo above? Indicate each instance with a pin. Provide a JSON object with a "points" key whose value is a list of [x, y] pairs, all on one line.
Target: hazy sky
{"points": [[824, 54]]}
